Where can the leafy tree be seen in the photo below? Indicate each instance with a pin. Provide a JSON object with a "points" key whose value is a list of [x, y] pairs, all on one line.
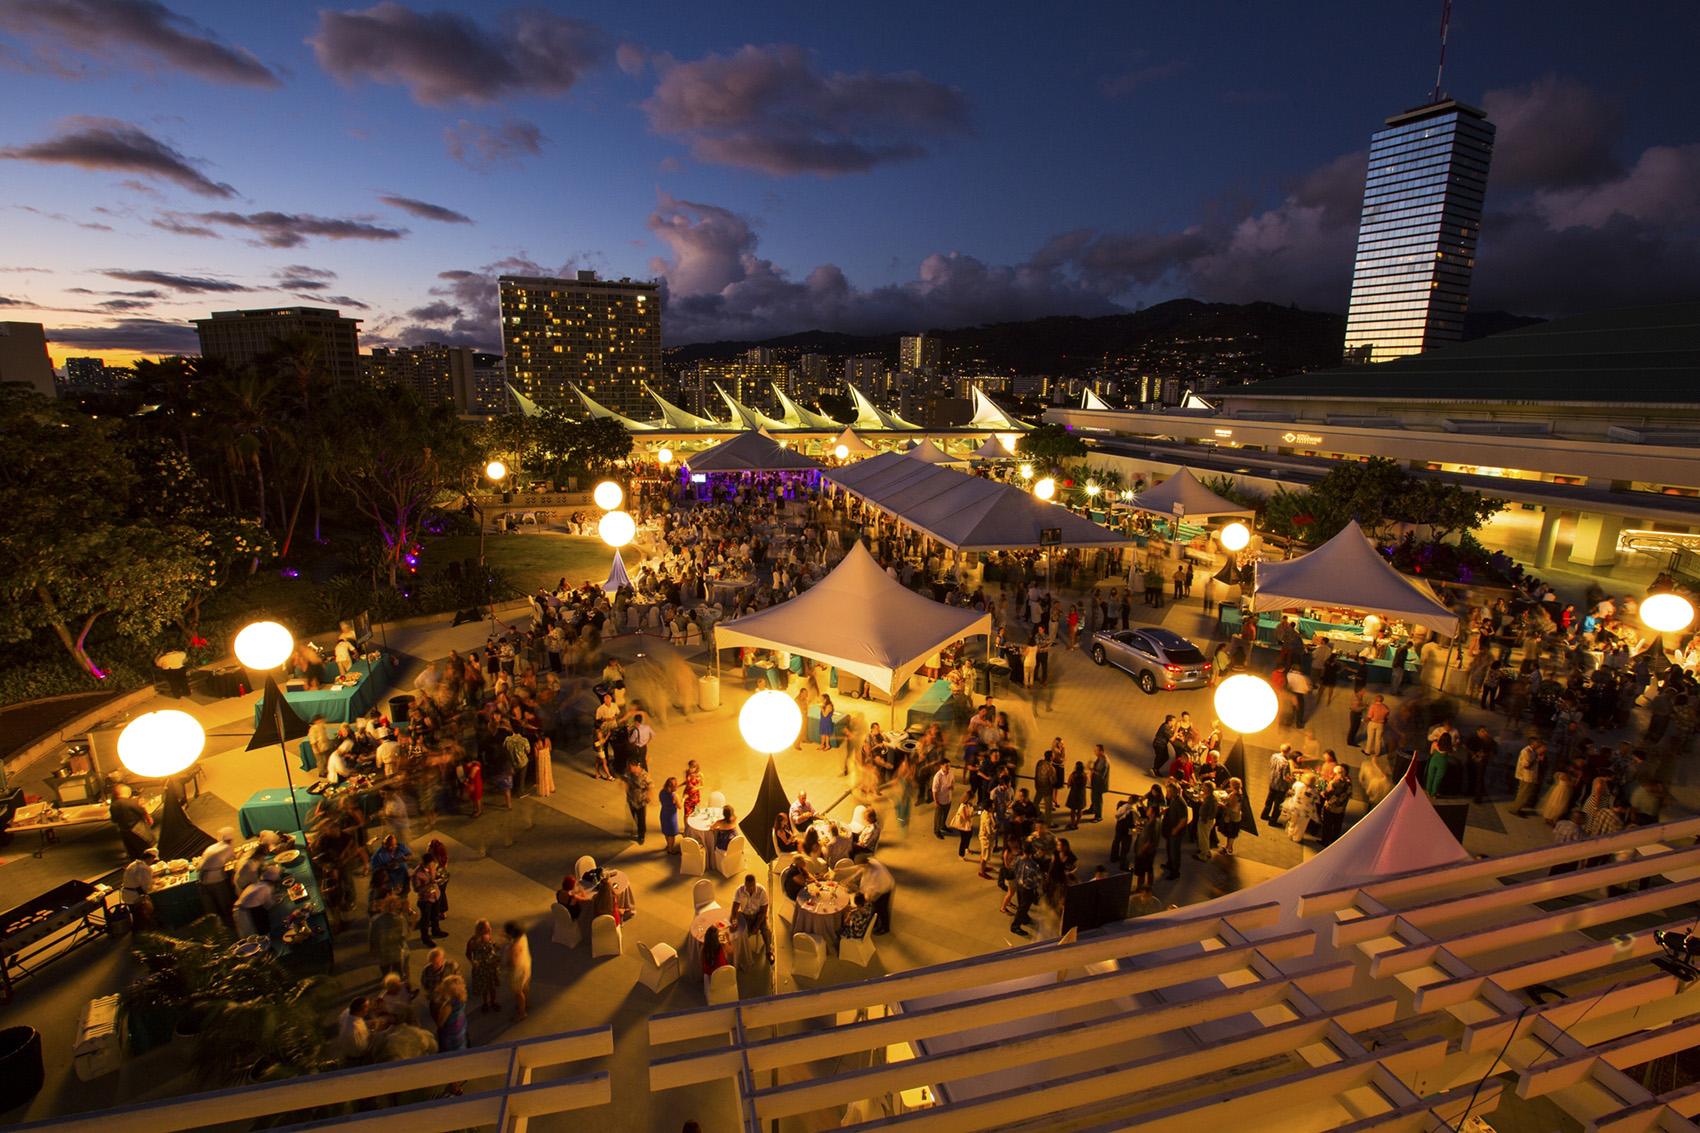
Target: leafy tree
{"points": [[1049, 445], [1447, 508], [1231, 489]]}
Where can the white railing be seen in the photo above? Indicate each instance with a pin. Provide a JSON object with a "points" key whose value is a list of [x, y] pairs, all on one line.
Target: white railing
{"points": [[507, 1105]]}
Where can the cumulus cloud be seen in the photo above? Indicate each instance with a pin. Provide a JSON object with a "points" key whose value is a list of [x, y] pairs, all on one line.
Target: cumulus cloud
{"points": [[139, 32], [148, 336], [631, 58], [425, 210], [1663, 186], [718, 287], [1551, 133], [109, 145], [291, 230], [770, 109], [302, 277], [171, 281], [438, 312], [446, 57], [482, 147]]}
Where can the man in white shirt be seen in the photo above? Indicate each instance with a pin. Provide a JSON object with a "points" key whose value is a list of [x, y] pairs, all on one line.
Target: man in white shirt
{"points": [[353, 1037], [214, 868], [876, 884], [943, 788], [138, 883], [388, 753], [344, 656], [802, 812], [1528, 777], [339, 767], [749, 905]]}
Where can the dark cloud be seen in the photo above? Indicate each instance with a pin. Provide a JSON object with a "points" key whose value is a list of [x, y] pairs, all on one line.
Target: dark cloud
{"points": [[41, 271], [301, 277], [291, 230], [1124, 84], [1551, 133], [91, 225], [148, 336], [174, 223], [141, 32], [481, 147], [145, 294], [123, 305], [717, 287], [192, 284], [444, 57], [425, 210], [343, 301], [1661, 188], [438, 312], [109, 145], [769, 109], [8, 301]]}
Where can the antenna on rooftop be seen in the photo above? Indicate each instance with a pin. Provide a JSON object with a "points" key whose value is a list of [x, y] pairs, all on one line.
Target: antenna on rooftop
{"points": [[1445, 24]]}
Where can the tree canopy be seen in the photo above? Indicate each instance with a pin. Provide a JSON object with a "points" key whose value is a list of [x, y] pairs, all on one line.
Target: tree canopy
{"points": [[1378, 493], [1049, 445]]}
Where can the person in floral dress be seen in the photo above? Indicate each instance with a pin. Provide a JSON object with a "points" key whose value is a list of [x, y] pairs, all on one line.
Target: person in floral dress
{"points": [[692, 794], [485, 957]]}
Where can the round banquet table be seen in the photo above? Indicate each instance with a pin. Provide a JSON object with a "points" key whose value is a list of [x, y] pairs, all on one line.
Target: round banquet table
{"points": [[698, 824], [820, 910], [622, 891], [691, 957]]}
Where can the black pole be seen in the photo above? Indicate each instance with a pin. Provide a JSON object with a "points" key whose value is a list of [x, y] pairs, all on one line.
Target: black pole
{"points": [[288, 776]]}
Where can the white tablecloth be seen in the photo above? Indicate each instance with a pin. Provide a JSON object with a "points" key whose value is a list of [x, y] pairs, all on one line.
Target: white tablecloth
{"points": [[622, 891], [690, 956], [821, 913]]}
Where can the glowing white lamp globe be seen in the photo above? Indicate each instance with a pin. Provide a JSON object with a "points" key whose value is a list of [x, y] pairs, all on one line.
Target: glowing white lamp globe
{"points": [[1045, 488], [841, 452], [608, 495], [496, 470], [1246, 703], [264, 646], [617, 529], [1027, 472], [1235, 537], [665, 456], [1007, 440], [1667, 612], [1092, 488], [157, 744], [770, 721]]}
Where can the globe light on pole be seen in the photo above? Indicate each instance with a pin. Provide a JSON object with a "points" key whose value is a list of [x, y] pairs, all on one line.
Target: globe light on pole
{"points": [[1246, 703], [263, 646], [665, 457], [1092, 488], [1027, 472], [1235, 537], [841, 452], [617, 529], [770, 721], [1045, 488], [1667, 612], [158, 744], [608, 495], [496, 471]]}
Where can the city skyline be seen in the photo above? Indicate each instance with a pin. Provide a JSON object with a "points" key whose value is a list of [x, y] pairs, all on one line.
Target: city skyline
{"points": [[790, 172]]}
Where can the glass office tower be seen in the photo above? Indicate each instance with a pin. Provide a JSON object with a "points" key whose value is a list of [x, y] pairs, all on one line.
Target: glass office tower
{"points": [[1417, 240]]}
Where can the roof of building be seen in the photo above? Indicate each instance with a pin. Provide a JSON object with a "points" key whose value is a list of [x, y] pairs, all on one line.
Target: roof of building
{"points": [[1637, 355]]}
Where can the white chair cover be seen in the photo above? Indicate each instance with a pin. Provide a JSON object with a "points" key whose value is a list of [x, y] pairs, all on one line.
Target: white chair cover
{"points": [[605, 939], [808, 955], [692, 859], [702, 894], [660, 965], [584, 865], [567, 930], [731, 862], [721, 986], [859, 951]]}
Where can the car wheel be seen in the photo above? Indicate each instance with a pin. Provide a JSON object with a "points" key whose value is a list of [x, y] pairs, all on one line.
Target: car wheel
{"points": [[1097, 654], [1147, 683]]}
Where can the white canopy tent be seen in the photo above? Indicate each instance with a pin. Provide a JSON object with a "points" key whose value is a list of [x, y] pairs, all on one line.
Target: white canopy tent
{"points": [[964, 512], [856, 445], [1195, 499], [859, 619], [1348, 571], [992, 449], [617, 576], [932, 454], [752, 451]]}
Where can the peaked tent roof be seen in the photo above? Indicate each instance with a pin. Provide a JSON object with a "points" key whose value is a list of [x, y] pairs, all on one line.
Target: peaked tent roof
{"points": [[1090, 400], [932, 453], [749, 452], [860, 619], [1185, 489], [747, 417], [992, 449], [678, 418], [805, 417], [617, 576], [1348, 571], [871, 416], [987, 415], [969, 513], [856, 445], [597, 409], [527, 406]]}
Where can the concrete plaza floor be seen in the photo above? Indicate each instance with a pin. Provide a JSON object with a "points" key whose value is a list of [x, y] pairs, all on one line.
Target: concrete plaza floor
{"points": [[506, 865]]}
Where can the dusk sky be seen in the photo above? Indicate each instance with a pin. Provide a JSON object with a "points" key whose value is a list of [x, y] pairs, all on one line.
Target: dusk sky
{"points": [[861, 167]]}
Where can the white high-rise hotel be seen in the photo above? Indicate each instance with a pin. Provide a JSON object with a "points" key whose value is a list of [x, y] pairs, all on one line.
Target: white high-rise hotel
{"points": [[1422, 216]]}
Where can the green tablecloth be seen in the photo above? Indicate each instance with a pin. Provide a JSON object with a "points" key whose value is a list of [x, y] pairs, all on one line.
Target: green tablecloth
{"points": [[271, 809], [339, 704], [178, 904], [181, 903]]}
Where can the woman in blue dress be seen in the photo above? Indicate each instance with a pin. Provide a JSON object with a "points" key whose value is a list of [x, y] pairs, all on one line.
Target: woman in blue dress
{"points": [[826, 723], [670, 814]]}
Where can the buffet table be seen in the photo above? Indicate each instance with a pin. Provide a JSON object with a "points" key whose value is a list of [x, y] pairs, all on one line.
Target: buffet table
{"points": [[341, 704]]}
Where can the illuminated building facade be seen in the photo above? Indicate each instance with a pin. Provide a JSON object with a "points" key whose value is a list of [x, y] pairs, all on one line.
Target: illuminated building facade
{"points": [[603, 336], [241, 337]]}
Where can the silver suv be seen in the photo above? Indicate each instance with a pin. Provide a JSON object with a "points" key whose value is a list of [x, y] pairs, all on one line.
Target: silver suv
{"points": [[1157, 658]]}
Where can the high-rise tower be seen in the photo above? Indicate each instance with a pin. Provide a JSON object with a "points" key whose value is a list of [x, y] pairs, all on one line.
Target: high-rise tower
{"points": [[1417, 239]]}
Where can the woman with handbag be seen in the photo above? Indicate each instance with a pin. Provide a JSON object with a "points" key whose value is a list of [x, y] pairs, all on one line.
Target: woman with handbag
{"points": [[964, 821]]}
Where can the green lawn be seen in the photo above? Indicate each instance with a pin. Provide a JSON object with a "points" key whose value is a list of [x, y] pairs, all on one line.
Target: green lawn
{"points": [[535, 558]]}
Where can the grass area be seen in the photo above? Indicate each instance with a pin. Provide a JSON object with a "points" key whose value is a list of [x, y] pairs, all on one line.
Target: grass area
{"points": [[534, 558]]}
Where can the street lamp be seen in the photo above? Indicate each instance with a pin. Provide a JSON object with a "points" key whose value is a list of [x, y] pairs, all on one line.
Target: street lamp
{"points": [[608, 495], [665, 457], [1246, 703], [1235, 537], [770, 722], [1045, 488], [842, 452], [157, 745], [617, 529], [496, 471], [1092, 488], [1667, 612], [263, 646], [1027, 472]]}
